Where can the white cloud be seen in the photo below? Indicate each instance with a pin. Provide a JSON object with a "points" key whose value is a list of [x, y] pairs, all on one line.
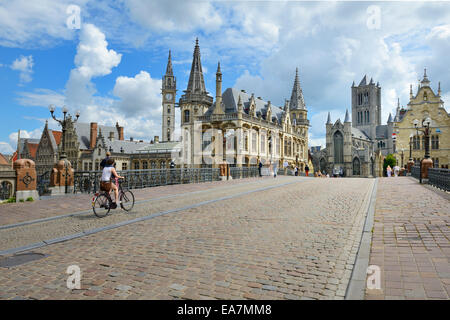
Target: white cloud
{"points": [[138, 95], [175, 15], [25, 66], [93, 59], [34, 134], [40, 98], [5, 148], [26, 23]]}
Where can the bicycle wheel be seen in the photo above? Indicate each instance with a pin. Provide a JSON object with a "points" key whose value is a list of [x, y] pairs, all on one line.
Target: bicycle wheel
{"points": [[127, 200], [101, 206]]}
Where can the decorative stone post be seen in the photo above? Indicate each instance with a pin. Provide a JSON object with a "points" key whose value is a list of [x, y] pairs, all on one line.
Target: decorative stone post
{"points": [[26, 180], [61, 177]]}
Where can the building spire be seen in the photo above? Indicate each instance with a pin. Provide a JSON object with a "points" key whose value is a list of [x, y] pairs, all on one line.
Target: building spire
{"points": [[410, 91], [297, 101], [218, 107], [196, 82], [425, 81], [439, 88], [329, 118], [347, 117], [169, 70]]}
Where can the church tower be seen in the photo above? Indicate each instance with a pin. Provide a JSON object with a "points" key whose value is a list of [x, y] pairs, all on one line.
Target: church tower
{"points": [[193, 103], [299, 114], [366, 106], [169, 90]]}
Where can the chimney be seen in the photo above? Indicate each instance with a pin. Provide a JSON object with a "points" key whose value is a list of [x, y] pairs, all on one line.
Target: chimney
{"points": [[121, 136], [156, 139], [120, 131], [111, 136], [93, 136]]}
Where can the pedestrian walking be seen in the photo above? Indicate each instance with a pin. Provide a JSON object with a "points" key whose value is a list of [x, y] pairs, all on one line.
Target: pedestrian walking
{"points": [[275, 169], [389, 171], [296, 171], [259, 168], [306, 170], [396, 170]]}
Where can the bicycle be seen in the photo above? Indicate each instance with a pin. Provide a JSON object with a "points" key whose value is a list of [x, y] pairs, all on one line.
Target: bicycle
{"points": [[102, 201]]}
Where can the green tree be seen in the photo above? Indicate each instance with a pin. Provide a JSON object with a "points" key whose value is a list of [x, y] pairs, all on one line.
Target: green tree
{"points": [[389, 161]]}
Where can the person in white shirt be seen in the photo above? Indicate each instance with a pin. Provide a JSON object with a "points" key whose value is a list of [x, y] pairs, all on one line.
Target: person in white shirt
{"points": [[106, 184]]}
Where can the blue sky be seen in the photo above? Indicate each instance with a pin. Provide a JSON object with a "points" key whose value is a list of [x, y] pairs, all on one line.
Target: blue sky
{"points": [[110, 68]]}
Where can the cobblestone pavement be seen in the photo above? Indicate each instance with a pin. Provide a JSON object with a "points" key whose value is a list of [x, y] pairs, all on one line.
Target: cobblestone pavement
{"points": [[410, 241], [20, 212], [296, 241], [37, 232]]}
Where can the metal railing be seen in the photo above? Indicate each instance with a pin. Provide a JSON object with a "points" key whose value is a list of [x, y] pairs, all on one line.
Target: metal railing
{"points": [[89, 181], [439, 178], [415, 172]]}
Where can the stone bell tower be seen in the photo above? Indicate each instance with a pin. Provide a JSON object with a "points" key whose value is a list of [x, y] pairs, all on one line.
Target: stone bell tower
{"points": [[169, 90]]}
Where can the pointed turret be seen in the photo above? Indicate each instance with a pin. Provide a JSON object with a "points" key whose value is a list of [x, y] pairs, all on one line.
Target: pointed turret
{"points": [[297, 100], [218, 107], [169, 70], [371, 81], [196, 82], [390, 118], [439, 89], [329, 118], [347, 117], [410, 92], [240, 105], [353, 84], [363, 81], [425, 81]]}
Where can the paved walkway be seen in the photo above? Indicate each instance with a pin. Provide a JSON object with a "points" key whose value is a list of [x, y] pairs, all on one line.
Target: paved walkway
{"points": [[13, 213], [411, 241], [297, 240]]}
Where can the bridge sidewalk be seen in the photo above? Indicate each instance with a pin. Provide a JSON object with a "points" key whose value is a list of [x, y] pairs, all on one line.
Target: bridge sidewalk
{"points": [[411, 241]]}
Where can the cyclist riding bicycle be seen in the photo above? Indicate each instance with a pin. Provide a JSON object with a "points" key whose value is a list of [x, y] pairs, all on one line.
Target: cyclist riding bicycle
{"points": [[106, 184]]}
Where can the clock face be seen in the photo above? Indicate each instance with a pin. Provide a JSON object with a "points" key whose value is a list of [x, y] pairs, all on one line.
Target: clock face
{"points": [[168, 96]]}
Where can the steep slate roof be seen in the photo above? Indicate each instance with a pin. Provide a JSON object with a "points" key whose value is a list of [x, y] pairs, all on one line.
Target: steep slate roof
{"points": [[381, 132], [83, 131], [297, 101], [196, 82], [230, 100], [359, 134]]}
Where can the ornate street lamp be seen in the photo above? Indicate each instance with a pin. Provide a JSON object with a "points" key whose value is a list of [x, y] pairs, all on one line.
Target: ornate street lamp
{"points": [[426, 162], [410, 161], [63, 123]]}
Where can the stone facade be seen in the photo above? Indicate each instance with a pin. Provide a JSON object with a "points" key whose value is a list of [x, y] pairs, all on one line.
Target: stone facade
{"points": [[239, 128], [425, 103], [354, 147]]}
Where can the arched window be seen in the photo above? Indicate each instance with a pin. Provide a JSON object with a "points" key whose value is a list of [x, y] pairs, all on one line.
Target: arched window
{"points": [[338, 147], [144, 165], [356, 167], [168, 109], [186, 115]]}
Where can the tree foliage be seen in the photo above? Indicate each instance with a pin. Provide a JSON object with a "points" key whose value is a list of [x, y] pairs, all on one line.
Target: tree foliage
{"points": [[389, 161]]}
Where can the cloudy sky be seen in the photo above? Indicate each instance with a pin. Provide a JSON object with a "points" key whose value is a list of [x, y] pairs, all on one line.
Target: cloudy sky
{"points": [[107, 58]]}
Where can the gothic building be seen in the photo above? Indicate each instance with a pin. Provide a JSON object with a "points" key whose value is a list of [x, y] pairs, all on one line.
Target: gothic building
{"points": [[354, 147], [237, 127]]}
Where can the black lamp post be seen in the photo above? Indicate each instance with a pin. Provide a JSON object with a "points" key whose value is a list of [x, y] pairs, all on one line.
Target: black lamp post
{"points": [[63, 123], [426, 130]]}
